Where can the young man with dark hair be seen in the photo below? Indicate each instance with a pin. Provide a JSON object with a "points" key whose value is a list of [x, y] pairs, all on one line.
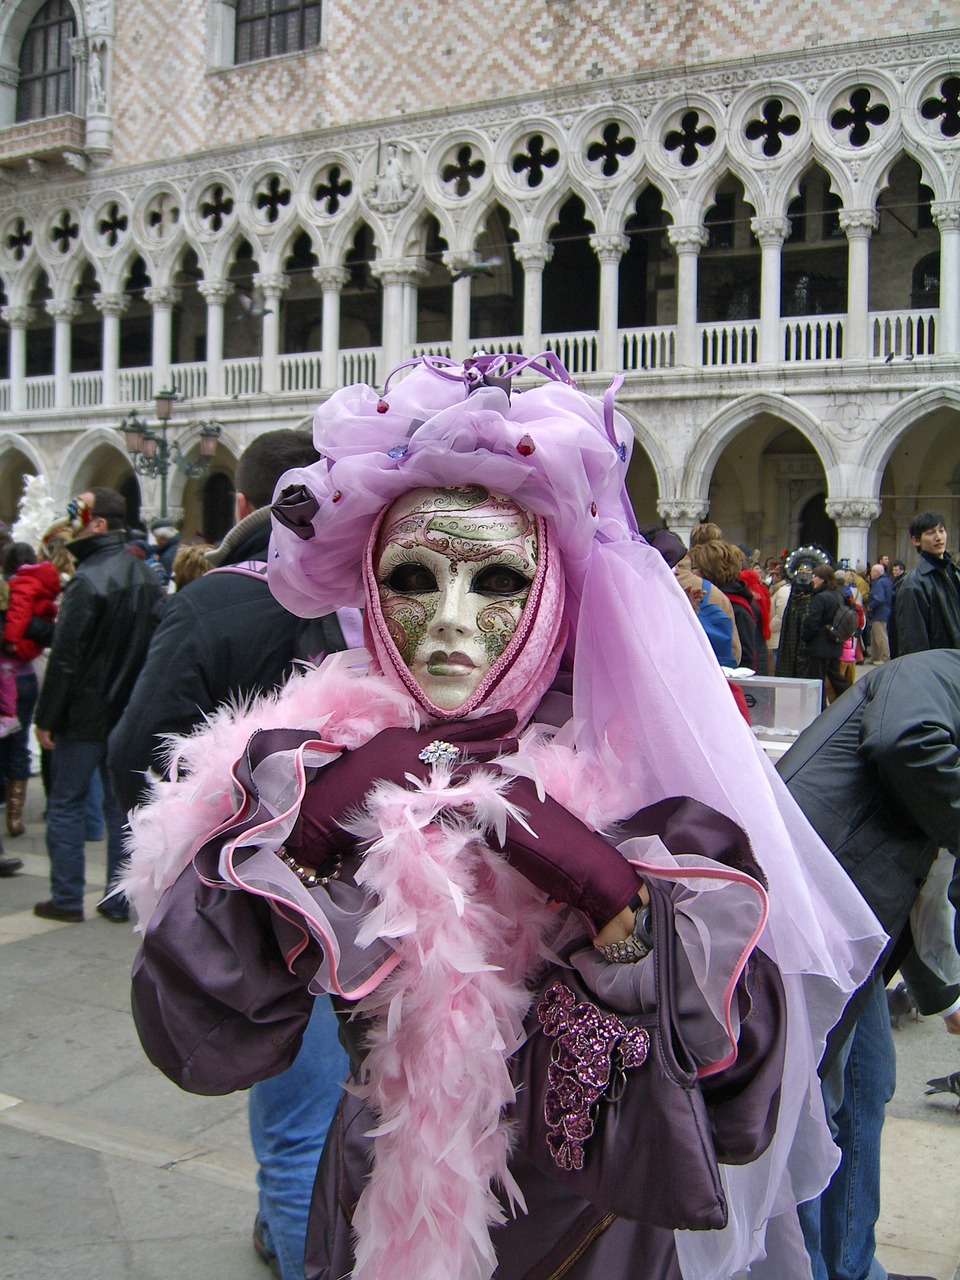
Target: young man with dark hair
{"points": [[99, 645], [927, 601]]}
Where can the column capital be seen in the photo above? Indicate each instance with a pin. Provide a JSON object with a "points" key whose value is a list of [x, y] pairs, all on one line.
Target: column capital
{"points": [[688, 239], [397, 270], [858, 224], [610, 247], [111, 304], [216, 292], [770, 231], [273, 283], [534, 255], [946, 214], [456, 260], [162, 296], [331, 279], [18, 317], [856, 513], [682, 511], [63, 308]]}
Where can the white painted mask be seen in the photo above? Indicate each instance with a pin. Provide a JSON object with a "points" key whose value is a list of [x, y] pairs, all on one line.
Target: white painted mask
{"points": [[453, 569]]}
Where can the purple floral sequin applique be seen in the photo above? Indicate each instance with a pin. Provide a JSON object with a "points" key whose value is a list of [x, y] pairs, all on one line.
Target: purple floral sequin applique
{"points": [[592, 1049]]}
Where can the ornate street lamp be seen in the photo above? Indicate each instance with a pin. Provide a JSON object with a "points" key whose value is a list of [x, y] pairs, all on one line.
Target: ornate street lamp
{"points": [[151, 453]]}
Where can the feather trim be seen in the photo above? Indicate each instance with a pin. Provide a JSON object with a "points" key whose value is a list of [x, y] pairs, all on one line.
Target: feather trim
{"points": [[195, 797], [445, 1022]]}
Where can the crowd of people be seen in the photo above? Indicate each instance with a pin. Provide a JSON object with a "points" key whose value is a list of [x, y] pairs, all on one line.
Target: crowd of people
{"points": [[802, 615], [425, 765]]}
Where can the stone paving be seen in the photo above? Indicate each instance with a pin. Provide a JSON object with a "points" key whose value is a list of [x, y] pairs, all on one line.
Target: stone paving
{"points": [[109, 1172]]}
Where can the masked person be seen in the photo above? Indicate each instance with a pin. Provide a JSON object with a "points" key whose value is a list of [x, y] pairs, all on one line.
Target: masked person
{"points": [[793, 659], [407, 827]]}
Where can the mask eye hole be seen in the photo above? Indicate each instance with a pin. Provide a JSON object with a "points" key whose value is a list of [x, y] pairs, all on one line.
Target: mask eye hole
{"points": [[500, 580], [411, 579]]}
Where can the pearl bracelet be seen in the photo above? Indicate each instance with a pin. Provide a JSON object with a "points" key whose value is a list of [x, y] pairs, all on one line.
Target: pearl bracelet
{"points": [[633, 948]]}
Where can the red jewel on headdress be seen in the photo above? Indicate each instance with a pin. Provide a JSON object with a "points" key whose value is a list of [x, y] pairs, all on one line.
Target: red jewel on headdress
{"points": [[525, 446], [382, 406], [337, 495], [593, 508]]}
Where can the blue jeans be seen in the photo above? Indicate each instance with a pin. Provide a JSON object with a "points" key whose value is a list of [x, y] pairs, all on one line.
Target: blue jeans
{"points": [[93, 810], [838, 1229], [289, 1118], [73, 764]]}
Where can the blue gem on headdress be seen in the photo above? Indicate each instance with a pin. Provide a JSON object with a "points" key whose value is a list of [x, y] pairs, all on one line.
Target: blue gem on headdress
{"points": [[439, 751], [398, 451], [622, 451]]}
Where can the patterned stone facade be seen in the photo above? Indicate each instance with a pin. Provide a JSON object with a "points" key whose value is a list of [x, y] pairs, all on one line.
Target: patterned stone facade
{"points": [[200, 184], [381, 60]]}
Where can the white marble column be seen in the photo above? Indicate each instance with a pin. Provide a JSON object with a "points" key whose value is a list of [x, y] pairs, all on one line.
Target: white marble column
{"points": [[459, 260], [111, 306], [858, 226], [533, 257], [163, 299], [19, 319], [273, 285], [609, 249], [332, 281], [946, 214], [216, 293], [770, 233], [853, 517], [687, 241], [64, 313], [396, 275], [681, 514]]}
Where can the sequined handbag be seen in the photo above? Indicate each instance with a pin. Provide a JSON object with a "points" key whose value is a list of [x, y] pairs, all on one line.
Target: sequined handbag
{"points": [[610, 1105]]}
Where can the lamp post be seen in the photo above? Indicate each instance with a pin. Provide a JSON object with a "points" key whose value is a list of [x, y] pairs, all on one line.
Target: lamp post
{"points": [[153, 455]]}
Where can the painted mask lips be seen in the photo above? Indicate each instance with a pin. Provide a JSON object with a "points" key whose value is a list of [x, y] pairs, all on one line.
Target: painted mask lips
{"points": [[449, 664]]}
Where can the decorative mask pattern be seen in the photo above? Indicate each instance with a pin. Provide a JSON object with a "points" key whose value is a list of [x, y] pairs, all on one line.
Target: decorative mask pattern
{"points": [[453, 569]]}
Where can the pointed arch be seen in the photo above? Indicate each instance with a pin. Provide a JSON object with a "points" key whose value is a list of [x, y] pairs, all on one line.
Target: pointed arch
{"points": [[97, 456], [902, 417], [728, 422]]}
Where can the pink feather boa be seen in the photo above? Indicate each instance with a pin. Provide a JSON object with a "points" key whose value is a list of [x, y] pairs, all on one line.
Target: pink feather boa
{"points": [[468, 928]]}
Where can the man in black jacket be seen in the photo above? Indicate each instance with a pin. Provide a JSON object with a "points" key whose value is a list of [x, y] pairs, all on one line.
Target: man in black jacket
{"points": [[224, 636], [99, 644], [878, 777], [926, 607]]}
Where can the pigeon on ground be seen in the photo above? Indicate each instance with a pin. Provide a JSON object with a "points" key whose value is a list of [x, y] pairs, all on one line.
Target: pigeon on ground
{"points": [[901, 1003], [944, 1084]]}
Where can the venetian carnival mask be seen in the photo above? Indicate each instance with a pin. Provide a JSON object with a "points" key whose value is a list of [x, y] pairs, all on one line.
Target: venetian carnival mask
{"points": [[453, 570]]}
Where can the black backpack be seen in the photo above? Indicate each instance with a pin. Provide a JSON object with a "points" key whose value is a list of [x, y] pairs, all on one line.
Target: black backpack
{"points": [[844, 623]]}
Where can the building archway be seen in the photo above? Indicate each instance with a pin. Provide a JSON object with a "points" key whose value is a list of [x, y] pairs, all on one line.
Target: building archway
{"points": [[921, 473], [14, 466]]}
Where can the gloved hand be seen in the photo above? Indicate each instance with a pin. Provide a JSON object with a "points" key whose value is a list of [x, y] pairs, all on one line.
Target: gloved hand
{"points": [[566, 859], [389, 756], [563, 857]]}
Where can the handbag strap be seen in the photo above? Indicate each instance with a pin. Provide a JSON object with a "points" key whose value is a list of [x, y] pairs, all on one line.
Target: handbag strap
{"points": [[665, 976], [654, 872]]}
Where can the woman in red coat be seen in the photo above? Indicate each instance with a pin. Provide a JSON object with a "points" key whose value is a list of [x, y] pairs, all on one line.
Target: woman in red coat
{"points": [[34, 588]]}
